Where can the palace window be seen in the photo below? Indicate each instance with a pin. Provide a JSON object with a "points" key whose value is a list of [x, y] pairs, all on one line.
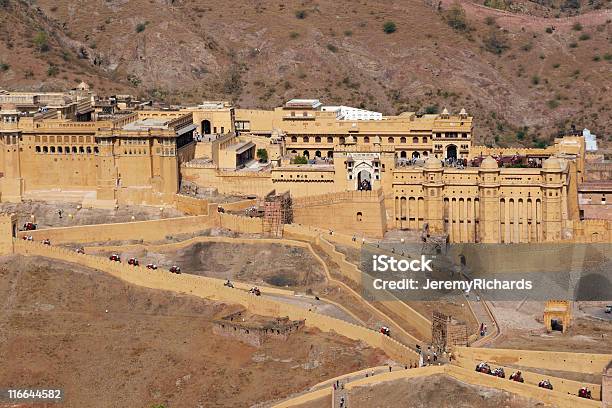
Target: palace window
{"points": [[305, 139], [293, 139], [330, 139], [366, 140], [318, 139], [402, 139], [390, 140]]}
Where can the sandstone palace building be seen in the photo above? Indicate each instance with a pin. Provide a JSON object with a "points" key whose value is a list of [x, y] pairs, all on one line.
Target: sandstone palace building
{"points": [[346, 169]]}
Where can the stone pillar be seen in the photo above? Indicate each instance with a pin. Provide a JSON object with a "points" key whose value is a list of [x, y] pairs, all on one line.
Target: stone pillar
{"points": [[488, 191], [107, 177], [8, 232], [432, 191], [552, 198], [11, 184]]}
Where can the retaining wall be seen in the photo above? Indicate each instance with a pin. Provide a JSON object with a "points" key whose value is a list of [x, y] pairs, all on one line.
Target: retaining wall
{"points": [[562, 385], [213, 289], [152, 230], [549, 360]]}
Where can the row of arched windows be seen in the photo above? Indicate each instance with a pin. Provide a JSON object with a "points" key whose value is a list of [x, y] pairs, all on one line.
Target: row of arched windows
{"points": [[67, 149], [366, 139]]}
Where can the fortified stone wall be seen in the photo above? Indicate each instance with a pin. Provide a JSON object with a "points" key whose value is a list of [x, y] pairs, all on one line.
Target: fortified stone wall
{"points": [[558, 361], [591, 230], [213, 289], [152, 230], [237, 223], [562, 385], [230, 183], [193, 206], [346, 212]]}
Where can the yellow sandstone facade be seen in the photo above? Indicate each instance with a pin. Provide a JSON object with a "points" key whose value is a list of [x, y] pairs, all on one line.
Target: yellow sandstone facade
{"points": [[408, 171]]}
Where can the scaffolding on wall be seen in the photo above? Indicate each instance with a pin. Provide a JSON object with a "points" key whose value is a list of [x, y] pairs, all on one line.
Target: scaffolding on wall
{"points": [[277, 212]]}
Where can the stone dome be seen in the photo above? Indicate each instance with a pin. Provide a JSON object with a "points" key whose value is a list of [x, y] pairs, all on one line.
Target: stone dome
{"points": [[552, 163], [489, 163], [433, 163]]}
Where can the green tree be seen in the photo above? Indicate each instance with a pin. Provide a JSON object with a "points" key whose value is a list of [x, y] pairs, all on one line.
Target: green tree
{"points": [[262, 155], [455, 17], [300, 160], [53, 70], [41, 42], [389, 27]]}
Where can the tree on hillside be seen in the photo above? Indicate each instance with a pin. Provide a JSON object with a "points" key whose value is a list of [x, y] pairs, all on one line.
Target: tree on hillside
{"points": [[389, 27], [496, 42], [41, 42], [455, 17]]}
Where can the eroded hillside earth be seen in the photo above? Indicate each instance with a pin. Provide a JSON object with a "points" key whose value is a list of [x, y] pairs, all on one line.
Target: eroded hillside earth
{"points": [[527, 69]]}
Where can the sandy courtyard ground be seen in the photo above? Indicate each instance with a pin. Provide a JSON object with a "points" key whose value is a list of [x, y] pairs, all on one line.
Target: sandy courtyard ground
{"points": [[270, 264], [523, 328], [152, 347], [438, 391]]}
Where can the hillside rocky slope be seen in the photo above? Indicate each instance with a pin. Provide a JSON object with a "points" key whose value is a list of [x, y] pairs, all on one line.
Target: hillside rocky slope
{"points": [[524, 72]]}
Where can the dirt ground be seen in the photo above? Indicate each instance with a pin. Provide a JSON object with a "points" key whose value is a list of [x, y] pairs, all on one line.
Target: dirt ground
{"points": [[434, 391], [151, 347], [270, 264], [523, 328], [46, 213]]}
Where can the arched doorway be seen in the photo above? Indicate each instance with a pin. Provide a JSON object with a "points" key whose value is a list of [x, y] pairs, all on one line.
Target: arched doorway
{"points": [[318, 153], [415, 155], [330, 154], [206, 127], [403, 154], [451, 152], [364, 180], [306, 154]]}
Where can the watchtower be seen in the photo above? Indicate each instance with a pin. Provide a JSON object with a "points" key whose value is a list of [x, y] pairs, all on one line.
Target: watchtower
{"points": [[557, 315]]}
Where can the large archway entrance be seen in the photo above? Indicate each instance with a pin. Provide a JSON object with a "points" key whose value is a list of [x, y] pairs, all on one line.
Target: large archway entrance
{"points": [[364, 180], [415, 155], [451, 152], [206, 127]]}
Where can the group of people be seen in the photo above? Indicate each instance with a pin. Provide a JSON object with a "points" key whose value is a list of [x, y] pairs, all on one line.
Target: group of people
{"points": [[255, 291]]}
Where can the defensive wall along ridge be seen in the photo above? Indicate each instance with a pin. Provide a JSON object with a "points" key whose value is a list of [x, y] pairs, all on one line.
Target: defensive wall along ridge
{"points": [[156, 230], [560, 384], [213, 289], [550, 360], [555, 398], [152, 230]]}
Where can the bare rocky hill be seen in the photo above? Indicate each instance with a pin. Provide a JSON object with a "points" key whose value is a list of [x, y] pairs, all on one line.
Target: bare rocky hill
{"points": [[512, 69]]}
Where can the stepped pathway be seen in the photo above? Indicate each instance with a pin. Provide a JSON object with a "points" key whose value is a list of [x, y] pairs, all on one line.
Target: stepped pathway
{"points": [[482, 315]]}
